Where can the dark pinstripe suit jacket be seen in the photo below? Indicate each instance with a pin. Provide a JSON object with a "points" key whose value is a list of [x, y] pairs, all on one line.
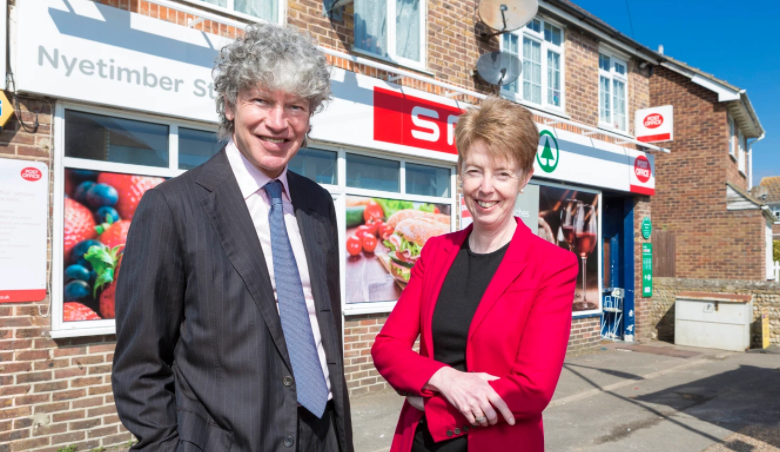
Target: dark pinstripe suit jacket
{"points": [[200, 355]]}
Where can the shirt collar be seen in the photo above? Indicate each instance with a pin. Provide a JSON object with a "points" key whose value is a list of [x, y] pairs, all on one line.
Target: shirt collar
{"points": [[250, 178]]}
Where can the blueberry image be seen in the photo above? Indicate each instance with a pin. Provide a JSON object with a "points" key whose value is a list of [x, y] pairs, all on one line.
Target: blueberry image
{"points": [[102, 195], [77, 291], [106, 214], [81, 248], [77, 272], [80, 194]]}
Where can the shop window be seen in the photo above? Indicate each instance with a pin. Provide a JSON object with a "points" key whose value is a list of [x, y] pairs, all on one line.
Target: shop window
{"points": [[319, 166], [116, 140], [108, 162], [539, 46], [196, 146], [401, 40], [613, 89], [427, 180], [267, 10], [373, 173]]}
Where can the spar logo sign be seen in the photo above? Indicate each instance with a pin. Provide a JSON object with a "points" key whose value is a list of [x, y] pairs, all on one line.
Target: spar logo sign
{"points": [[642, 169], [31, 174], [653, 121], [548, 159]]}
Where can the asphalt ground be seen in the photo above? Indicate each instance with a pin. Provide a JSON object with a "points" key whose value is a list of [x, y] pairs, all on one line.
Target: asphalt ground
{"points": [[655, 397]]}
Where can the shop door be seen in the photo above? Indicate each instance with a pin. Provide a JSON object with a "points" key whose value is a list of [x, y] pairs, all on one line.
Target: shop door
{"points": [[613, 247]]}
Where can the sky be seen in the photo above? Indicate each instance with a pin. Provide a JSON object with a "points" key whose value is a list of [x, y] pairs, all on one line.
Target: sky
{"points": [[737, 44]]}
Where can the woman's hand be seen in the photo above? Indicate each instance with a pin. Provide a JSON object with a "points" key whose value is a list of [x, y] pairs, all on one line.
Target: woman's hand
{"points": [[416, 402], [471, 394]]}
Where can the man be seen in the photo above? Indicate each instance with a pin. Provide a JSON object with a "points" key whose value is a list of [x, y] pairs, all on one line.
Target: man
{"points": [[228, 308]]}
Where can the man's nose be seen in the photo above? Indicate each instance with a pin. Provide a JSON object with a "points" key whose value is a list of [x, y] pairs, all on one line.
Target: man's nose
{"points": [[276, 120]]}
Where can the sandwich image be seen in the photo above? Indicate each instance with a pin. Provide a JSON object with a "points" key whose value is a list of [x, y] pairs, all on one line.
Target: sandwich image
{"points": [[406, 242]]}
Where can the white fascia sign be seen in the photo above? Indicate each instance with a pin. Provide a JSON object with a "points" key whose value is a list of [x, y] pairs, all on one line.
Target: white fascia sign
{"points": [[655, 124], [84, 51]]}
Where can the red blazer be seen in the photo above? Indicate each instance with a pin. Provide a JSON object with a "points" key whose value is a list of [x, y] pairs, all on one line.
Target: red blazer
{"points": [[519, 333]]}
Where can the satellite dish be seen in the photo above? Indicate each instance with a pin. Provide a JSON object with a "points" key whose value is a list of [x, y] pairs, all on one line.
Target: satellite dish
{"points": [[499, 68], [507, 15]]}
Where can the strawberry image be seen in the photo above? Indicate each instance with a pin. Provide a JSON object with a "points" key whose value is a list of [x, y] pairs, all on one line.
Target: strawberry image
{"points": [[113, 234], [130, 189], [74, 311], [106, 263], [79, 225]]}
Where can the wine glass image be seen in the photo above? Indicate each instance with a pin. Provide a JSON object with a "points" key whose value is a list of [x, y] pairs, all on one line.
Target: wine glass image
{"points": [[568, 219], [586, 232]]}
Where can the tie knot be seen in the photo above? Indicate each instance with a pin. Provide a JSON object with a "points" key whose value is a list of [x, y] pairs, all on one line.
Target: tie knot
{"points": [[274, 190]]}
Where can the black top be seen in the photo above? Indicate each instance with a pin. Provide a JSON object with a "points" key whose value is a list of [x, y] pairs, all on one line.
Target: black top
{"points": [[463, 288]]}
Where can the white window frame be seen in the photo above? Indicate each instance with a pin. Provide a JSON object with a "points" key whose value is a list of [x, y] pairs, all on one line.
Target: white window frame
{"points": [[391, 35], [612, 75], [230, 9], [60, 328], [741, 144], [546, 46], [732, 138]]}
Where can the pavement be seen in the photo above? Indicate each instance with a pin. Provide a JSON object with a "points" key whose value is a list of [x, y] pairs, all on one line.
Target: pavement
{"points": [[631, 397]]}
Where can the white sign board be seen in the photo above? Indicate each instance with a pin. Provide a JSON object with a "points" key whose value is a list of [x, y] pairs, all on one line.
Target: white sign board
{"points": [[82, 50], [654, 124], [24, 211], [374, 114]]}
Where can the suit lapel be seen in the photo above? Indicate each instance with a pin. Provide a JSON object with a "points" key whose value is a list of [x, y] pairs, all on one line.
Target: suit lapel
{"points": [[441, 266], [226, 209], [510, 268], [311, 219]]}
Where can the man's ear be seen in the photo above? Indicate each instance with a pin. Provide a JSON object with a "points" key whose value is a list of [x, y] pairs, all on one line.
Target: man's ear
{"points": [[230, 112]]}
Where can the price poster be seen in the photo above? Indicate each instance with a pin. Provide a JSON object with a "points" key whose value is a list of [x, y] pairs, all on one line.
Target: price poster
{"points": [[647, 270], [24, 207]]}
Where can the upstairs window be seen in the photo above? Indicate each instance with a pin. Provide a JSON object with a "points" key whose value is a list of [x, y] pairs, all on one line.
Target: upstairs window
{"points": [[539, 46], [742, 152], [732, 137], [392, 29], [613, 92], [268, 10]]}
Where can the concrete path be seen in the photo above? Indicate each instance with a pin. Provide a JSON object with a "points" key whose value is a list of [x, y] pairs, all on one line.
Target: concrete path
{"points": [[655, 397]]}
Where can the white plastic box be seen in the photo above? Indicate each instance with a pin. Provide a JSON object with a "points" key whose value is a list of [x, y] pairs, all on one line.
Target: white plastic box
{"points": [[713, 320]]}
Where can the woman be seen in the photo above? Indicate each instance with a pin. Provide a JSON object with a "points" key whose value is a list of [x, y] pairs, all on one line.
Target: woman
{"points": [[492, 304]]}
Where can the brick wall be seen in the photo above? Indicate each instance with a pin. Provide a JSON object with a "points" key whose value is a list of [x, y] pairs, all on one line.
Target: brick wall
{"points": [[642, 306], [359, 333], [691, 187]]}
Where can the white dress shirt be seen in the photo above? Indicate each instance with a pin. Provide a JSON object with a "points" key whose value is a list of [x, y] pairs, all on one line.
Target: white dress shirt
{"points": [[251, 181]]}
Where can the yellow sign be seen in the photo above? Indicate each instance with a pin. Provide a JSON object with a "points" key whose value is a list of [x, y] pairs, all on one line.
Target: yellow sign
{"points": [[6, 110], [765, 327]]}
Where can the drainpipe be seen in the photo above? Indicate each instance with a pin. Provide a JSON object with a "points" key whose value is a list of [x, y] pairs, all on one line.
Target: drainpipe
{"points": [[750, 159]]}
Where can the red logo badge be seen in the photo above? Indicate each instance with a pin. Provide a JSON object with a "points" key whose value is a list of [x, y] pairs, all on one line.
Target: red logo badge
{"points": [[642, 169], [653, 120], [31, 174]]}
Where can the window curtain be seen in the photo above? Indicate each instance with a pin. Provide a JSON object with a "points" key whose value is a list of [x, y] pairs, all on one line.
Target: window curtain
{"points": [[222, 3], [620, 105], [511, 46], [407, 29], [264, 9], [371, 26], [605, 114], [553, 79], [532, 71]]}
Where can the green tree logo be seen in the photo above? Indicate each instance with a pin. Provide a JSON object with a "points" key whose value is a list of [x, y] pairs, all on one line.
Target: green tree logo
{"points": [[548, 160]]}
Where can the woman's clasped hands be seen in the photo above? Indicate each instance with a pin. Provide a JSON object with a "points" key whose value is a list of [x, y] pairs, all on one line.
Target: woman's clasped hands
{"points": [[470, 393]]}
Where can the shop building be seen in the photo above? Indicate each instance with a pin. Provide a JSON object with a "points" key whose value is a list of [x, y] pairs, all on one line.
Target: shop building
{"points": [[118, 93]]}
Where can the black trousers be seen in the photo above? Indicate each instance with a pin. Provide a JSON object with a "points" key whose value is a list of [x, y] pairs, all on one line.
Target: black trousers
{"points": [[317, 435]]}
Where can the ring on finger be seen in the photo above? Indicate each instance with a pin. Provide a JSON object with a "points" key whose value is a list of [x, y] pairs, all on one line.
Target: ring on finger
{"points": [[480, 419]]}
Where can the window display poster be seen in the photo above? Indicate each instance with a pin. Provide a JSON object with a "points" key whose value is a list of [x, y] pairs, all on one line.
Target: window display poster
{"points": [[384, 240], [569, 218], [98, 211], [24, 209]]}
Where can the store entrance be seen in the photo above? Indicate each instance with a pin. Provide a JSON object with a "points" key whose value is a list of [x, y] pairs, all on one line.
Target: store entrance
{"points": [[617, 260]]}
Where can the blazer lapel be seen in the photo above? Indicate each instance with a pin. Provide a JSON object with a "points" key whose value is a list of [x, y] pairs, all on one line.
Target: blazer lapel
{"points": [[441, 266], [311, 219], [510, 268], [226, 209]]}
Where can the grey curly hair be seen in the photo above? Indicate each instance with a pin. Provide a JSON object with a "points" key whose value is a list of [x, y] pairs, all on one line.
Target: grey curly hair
{"points": [[274, 58]]}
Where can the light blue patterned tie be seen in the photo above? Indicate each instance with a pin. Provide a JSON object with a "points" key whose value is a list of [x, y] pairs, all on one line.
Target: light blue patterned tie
{"points": [[309, 378]]}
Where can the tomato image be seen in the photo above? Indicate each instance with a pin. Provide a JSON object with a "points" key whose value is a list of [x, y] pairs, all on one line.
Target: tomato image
{"points": [[369, 243], [373, 211], [354, 245], [378, 226], [364, 231]]}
